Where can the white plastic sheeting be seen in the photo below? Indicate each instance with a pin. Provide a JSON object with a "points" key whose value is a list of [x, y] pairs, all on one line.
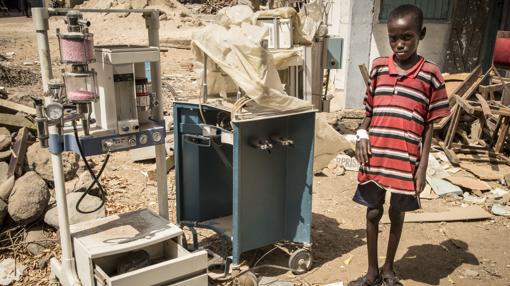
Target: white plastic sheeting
{"points": [[236, 58]]}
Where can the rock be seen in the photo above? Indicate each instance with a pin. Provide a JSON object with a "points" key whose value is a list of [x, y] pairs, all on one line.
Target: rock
{"points": [[29, 198], [470, 273], [35, 240], [10, 271], [4, 167], [89, 203], [500, 210], [339, 171], [28, 63], [328, 173], [3, 92], [5, 139], [39, 160], [6, 188], [354, 113], [348, 126], [69, 185], [3, 212], [84, 181]]}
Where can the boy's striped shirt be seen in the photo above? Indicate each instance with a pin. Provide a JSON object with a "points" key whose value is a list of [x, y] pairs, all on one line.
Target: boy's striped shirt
{"points": [[400, 105]]}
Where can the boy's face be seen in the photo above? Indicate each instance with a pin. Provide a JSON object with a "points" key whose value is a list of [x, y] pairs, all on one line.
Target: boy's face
{"points": [[404, 35]]}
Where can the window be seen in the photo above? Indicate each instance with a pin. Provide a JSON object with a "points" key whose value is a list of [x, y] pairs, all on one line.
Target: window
{"points": [[432, 9]]}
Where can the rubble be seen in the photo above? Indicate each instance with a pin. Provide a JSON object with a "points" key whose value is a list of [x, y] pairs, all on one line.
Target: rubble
{"points": [[36, 241], [89, 203], [29, 198], [6, 188], [5, 139], [3, 212], [4, 168], [10, 271], [39, 160]]}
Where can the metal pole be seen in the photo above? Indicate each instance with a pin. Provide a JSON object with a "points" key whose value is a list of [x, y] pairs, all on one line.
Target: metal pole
{"points": [[67, 260], [152, 24], [40, 19], [204, 80]]}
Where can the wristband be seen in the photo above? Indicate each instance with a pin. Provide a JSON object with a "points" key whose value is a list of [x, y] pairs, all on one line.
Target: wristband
{"points": [[361, 134]]}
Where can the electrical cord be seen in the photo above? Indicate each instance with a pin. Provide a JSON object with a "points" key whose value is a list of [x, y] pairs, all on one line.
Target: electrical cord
{"points": [[102, 192]]}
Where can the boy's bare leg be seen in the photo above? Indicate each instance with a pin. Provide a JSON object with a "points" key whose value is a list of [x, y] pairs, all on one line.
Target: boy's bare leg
{"points": [[397, 222], [373, 218]]}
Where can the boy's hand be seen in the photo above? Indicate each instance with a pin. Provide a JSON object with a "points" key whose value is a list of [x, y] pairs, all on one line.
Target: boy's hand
{"points": [[362, 151], [420, 180]]}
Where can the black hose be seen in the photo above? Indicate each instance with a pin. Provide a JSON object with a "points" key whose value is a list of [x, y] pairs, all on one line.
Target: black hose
{"points": [[102, 192]]}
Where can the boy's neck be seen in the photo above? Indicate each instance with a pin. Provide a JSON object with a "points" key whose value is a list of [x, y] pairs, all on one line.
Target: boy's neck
{"points": [[403, 66]]}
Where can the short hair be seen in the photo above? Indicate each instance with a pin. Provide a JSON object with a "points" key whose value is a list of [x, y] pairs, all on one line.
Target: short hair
{"points": [[408, 10]]}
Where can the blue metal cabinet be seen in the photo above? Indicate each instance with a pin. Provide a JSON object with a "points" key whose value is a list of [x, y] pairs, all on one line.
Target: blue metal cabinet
{"points": [[267, 194]]}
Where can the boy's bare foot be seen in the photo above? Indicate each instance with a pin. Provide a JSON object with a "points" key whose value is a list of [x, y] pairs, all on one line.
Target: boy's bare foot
{"points": [[363, 281], [390, 279]]}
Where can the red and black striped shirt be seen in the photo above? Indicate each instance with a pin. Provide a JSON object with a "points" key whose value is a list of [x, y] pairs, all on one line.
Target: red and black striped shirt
{"points": [[400, 105]]}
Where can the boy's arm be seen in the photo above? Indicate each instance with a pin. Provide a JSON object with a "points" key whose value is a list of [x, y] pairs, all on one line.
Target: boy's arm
{"points": [[421, 171], [363, 145]]}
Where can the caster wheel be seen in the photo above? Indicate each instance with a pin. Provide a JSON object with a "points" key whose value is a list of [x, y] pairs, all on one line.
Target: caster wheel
{"points": [[300, 261], [248, 279]]}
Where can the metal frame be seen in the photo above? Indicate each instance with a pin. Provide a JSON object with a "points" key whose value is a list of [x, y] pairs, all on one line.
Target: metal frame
{"points": [[66, 269]]}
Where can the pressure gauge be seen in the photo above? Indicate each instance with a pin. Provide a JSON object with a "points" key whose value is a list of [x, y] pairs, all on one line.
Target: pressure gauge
{"points": [[54, 111], [143, 139], [156, 136]]}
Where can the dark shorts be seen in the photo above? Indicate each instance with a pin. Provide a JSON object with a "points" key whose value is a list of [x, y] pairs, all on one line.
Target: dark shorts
{"points": [[372, 196]]}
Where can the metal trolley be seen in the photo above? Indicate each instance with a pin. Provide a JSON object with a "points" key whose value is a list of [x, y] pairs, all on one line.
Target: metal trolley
{"points": [[250, 181]]}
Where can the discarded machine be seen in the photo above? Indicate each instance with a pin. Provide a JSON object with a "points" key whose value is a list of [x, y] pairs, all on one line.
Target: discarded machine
{"points": [[247, 176], [104, 105]]}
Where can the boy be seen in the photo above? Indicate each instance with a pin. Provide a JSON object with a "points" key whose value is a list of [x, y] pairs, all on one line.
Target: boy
{"points": [[405, 95]]}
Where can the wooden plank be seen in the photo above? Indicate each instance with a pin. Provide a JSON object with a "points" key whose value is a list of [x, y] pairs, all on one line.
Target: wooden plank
{"points": [[450, 134], [19, 153], [485, 106], [453, 214], [464, 104], [469, 183], [490, 88], [480, 159], [13, 122], [364, 73], [503, 132], [454, 160], [468, 86], [17, 107]]}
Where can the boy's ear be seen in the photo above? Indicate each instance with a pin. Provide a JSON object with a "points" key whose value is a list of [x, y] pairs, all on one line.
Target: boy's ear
{"points": [[423, 32]]}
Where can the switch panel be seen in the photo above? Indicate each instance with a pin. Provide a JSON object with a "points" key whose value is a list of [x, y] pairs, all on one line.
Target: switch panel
{"points": [[335, 48]]}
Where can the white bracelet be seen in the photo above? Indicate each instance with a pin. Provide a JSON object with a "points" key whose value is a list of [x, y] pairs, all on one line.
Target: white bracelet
{"points": [[361, 134]]}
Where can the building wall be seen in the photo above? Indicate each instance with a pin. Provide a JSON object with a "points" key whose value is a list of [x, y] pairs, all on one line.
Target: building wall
{"points": [[365, 38]]}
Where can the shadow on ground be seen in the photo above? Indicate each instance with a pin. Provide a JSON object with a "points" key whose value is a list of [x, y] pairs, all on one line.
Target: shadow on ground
{"points": [[429, 263], [330, 241]]}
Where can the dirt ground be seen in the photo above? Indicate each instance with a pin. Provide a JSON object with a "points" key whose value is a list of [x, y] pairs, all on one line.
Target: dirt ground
{"points": [[461, 253]]}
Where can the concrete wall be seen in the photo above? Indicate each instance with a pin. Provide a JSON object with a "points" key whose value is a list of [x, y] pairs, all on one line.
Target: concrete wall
{"points": [[352, 20]]}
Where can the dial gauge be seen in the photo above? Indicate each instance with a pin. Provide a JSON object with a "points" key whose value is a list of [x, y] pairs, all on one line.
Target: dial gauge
{"points": [[54, 111]]}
